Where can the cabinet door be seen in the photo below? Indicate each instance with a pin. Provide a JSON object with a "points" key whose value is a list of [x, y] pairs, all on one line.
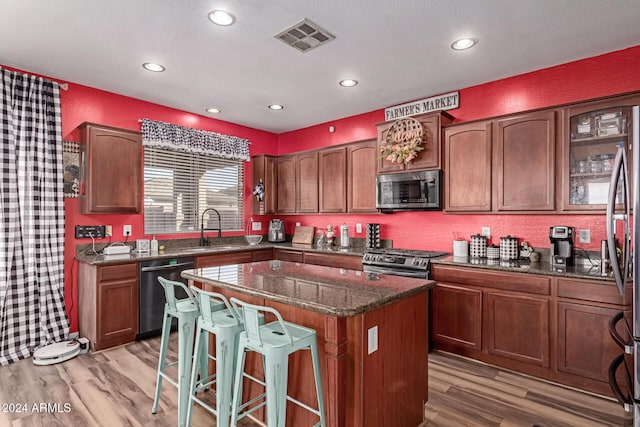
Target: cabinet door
{"points": [[456, 316], [525, 162], [467, 168], [117, 313], [584, 345], [265, 168], [307, 182], [333, 180], [386, 166], [518, 327], [429, 158], [287, 184], [111, 170], [224, 259], [592, 134], [361, 179]]}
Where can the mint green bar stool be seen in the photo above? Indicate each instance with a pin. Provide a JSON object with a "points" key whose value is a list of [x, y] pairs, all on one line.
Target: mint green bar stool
{"points": [[186, 310], [275, 341], [226, 326]]}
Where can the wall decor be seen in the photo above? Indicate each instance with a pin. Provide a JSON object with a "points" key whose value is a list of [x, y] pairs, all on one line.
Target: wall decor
{"points": [[403, 141], [71, 163]]}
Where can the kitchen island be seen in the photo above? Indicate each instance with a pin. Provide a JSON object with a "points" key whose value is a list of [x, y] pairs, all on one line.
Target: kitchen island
{"points": [[372, 337]]}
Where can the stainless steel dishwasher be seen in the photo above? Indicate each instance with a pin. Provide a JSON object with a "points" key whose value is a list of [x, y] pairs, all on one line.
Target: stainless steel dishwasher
{"points": [[152, 297]]}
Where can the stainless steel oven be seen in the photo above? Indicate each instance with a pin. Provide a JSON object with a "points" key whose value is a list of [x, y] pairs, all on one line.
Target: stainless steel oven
{"points": [[399, 262]]}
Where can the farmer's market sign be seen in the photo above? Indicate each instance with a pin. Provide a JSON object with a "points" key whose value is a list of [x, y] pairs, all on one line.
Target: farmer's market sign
{"points": [[448, 101]]}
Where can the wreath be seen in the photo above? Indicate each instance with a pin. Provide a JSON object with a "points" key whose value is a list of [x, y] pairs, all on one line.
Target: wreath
{"points": [[403, 140]]}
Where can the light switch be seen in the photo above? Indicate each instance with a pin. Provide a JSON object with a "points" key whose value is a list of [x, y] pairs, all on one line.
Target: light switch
{"points": [[256, 226]]}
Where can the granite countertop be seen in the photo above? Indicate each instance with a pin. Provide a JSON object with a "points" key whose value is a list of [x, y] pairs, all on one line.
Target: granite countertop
{"points": [[327, 290], [217, 248], [545, 268]]}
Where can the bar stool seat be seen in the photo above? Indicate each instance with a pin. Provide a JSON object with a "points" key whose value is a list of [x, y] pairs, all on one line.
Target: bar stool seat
{"points": [[226, 327], [186, 310], [275, 341]]}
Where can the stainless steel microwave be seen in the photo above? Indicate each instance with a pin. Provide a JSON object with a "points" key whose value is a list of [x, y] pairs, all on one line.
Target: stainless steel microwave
{"points": [[409, 191]]}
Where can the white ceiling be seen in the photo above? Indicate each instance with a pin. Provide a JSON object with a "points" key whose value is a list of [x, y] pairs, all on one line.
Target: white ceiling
{"points": [[397, 49]]}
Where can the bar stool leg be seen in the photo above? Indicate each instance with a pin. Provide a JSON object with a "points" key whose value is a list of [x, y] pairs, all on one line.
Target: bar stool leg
{"points": [[237, 384], [196, 369], [164, 344], [276, 378], [315, 358], [185, 347], [225, 355]]}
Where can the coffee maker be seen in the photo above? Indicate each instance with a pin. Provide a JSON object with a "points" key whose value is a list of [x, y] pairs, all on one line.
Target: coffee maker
{"points": [[276, 231], [562, 243]]}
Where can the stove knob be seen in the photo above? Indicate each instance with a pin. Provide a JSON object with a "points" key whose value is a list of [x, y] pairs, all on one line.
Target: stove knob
{"points": [[366, 257], [423, 262], [414, 261]]}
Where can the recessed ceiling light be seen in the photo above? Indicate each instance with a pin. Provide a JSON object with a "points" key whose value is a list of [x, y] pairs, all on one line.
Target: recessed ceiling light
{"points": [[464, 43], [157, 68], [221, 17], [276, 107], [348, 83], [213, 110]]}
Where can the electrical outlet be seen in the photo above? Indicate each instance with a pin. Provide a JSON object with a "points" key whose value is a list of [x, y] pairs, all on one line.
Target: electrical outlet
{"points": [[297, 224], [358, 228], [486, 232], [373, 340], [256, 226], [108, 230], [584, 236], [126, 230]]}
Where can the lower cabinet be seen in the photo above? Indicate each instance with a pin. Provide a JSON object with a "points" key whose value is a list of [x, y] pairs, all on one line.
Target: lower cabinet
{"points": [[550, 327], [108, 304]]}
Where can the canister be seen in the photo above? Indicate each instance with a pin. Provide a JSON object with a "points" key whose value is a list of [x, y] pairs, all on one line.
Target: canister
{"points": [[509, 248], [460, 248], [478, 248]]}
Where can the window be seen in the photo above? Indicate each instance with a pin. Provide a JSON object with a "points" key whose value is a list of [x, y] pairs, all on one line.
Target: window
{"points": [[179, 186]]}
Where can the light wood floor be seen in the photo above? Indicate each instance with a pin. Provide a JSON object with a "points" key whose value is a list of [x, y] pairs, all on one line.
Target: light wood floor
{"points": [[116, 387]]}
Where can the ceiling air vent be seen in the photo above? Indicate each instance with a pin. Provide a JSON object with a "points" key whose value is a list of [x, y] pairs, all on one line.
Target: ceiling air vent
{"points": [[304, 36]]}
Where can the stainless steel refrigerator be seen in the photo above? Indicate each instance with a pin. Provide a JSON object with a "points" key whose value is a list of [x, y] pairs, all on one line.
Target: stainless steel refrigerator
{"points": [[623, 233]]}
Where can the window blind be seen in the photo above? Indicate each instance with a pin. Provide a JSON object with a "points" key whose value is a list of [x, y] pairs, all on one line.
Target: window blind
{"points": [[179, 186]]}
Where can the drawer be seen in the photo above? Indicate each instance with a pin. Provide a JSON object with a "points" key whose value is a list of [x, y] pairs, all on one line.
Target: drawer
{"points": [[588, 290], [507, 281], [224, 259], [108, 273], [263, 254], [287, 255], [338, 261]]}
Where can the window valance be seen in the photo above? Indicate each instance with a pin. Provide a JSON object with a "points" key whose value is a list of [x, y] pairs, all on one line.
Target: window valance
{"points": [[180, 138]]}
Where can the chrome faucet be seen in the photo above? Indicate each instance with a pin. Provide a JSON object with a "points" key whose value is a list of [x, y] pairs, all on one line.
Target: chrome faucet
{"points": [[203, 241]]}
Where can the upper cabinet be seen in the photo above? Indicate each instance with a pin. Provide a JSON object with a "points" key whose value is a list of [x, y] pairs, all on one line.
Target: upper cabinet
{"points": [[504, 165], [593, 133], [525, 162], [287, 184], [429, 157], [467, 169], [265, 170], [333, 180], [110, 169], [361, 176], [307, 182]]}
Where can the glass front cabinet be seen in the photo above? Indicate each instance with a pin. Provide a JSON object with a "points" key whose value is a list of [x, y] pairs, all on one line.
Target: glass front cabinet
{"points": [[595, 130]]}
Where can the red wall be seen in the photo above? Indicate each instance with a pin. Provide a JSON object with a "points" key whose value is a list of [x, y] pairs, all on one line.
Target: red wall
{"points": [[607, 74]]}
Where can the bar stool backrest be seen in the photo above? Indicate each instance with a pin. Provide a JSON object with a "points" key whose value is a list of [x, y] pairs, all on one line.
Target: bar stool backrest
{"points": [[170, 292], [251, 315], [205, 297]]}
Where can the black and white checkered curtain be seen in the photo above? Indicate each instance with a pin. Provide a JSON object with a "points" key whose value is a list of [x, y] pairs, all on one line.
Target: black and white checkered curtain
{"points": [[32, 311]]}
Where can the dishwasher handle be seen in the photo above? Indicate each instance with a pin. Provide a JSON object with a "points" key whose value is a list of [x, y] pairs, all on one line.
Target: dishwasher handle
{"points": [[167, 266]]}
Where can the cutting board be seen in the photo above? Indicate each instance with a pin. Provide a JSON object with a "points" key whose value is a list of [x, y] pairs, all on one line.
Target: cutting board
{"points": [[303, 235]]}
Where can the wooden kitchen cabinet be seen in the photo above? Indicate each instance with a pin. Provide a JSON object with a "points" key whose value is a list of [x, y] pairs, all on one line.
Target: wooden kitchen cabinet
{"points": [[108, 304], [551, 327], [467, 169], [456, 316], [361, 176], [265, 169], [333, 260], [593, 131], [307, 185], [333, 180], [286, 183], [429, 158], [110, 169], [525, 162]]}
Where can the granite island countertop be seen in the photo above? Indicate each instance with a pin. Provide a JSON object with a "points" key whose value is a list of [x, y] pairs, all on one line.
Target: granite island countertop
{"points": [[579, 271], [327, 290]]}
